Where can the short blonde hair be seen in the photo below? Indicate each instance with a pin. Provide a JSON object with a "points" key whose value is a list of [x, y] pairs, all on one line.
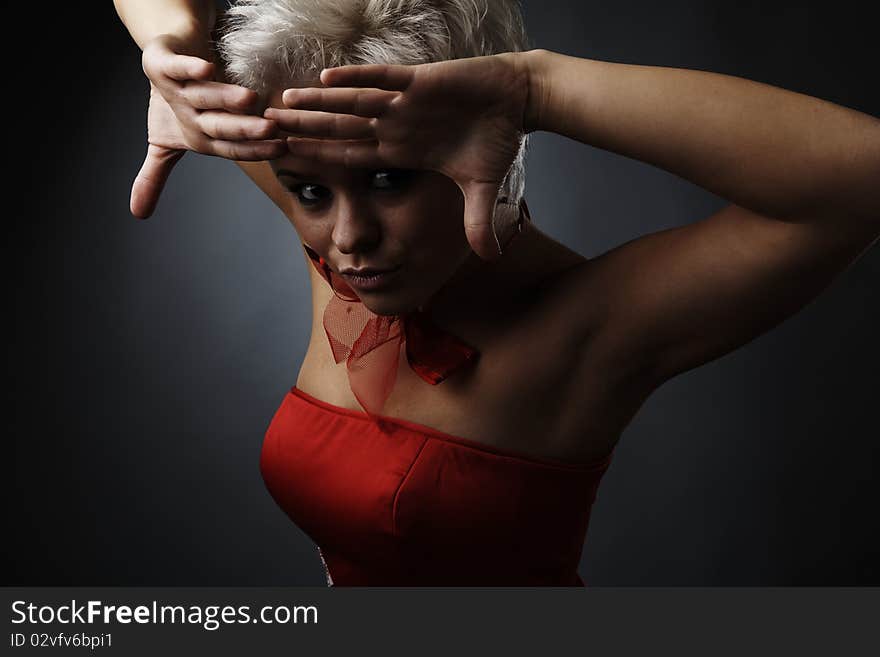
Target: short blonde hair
{"points": [[268, 45]]}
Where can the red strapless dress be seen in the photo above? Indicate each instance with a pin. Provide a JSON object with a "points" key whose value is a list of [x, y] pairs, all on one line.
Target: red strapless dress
{"points": [[394, 503]]}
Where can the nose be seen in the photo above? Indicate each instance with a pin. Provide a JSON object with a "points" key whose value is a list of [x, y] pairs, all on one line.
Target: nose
{"points": [[355, 228]]}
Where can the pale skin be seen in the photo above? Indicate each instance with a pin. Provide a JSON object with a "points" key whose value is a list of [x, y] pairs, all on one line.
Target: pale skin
{"points": [[565, 367]]}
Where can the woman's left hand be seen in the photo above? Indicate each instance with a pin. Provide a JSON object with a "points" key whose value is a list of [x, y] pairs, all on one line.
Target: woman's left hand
{"points": [[463, 118]]}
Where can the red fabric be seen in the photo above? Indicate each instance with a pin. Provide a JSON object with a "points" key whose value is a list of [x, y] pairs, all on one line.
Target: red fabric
{"points": [[370, 343], [394, 503]]}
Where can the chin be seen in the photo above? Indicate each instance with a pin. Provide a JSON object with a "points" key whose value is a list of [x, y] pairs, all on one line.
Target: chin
{"points": [[385, 307], [388, 305]]}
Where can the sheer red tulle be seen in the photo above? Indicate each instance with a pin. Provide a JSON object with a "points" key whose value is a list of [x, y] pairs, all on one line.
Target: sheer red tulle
{"points": [[370, 343]]}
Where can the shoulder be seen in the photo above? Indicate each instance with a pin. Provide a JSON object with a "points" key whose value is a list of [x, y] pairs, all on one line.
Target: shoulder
{"points": [[580, 381], [549, 374], [530, 330]]}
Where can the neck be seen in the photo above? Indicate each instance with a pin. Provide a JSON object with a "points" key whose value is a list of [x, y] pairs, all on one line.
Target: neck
{"points": [[478, 284]]}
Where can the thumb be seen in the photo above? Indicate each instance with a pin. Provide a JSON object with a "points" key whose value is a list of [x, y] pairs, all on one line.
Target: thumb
{"points": [[479, 211], [150, 180]]}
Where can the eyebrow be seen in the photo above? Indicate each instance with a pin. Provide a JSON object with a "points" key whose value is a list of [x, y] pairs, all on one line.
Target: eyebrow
{"points": [[312, 176], [295, 174]]}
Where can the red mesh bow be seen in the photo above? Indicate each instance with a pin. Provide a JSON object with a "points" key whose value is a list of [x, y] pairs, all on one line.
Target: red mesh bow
{"points": [[370, 343]]}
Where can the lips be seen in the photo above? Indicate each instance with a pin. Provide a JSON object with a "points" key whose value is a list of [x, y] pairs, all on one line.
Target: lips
{"points": [[368, 281], [366, 271]]}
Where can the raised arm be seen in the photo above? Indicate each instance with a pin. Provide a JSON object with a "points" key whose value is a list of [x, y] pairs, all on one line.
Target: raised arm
{"points": [[184, 18], [801, 174], [776, 152]]}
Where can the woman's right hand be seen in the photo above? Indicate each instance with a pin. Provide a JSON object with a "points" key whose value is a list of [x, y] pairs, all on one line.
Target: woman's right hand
{"points": [[190, 111]]}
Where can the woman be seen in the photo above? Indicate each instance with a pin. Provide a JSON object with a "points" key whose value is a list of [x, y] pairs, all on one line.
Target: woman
{"points": [[489, 373]]}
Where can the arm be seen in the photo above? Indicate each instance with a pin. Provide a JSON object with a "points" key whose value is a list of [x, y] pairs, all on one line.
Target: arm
{"points": [[800, 172], [146, 20], [776, 152]]}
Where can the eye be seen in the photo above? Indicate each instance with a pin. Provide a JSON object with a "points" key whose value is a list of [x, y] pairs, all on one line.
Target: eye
{"points": [[392, 178], [309, 194]]}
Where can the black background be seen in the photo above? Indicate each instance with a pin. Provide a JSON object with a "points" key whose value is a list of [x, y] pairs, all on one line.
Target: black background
{"points": [[147, 358]]}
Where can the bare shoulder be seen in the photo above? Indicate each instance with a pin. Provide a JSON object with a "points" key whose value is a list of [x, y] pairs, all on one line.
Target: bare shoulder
{"points": [[556, 374], [607, 382]]}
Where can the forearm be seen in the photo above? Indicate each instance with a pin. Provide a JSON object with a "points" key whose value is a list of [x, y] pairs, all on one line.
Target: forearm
{"points": [[776, 152], [146, 19]]}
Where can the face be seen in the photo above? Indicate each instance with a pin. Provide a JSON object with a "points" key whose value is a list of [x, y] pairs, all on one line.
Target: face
{"points": [[411, 220]]}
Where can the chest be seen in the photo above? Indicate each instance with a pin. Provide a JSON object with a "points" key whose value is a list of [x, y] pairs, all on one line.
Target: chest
{"points": [[393, 504]]}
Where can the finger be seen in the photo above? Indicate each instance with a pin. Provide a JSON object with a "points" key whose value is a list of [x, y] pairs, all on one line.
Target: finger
{"points": [[323, 125], [249, 151], [186, 67], [150, 180], [160, 62], [356, 154], [368, 103], [393, 77], [207, 95], [235, 127], [479, 210]]}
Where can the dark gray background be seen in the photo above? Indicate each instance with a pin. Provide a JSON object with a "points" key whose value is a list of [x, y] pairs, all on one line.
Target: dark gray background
{"points": [[147, 358]]}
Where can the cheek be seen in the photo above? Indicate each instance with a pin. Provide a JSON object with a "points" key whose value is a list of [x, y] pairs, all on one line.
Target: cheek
{"points": [[436, 221], [437, 248], [312, 233], [435, 241]]}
